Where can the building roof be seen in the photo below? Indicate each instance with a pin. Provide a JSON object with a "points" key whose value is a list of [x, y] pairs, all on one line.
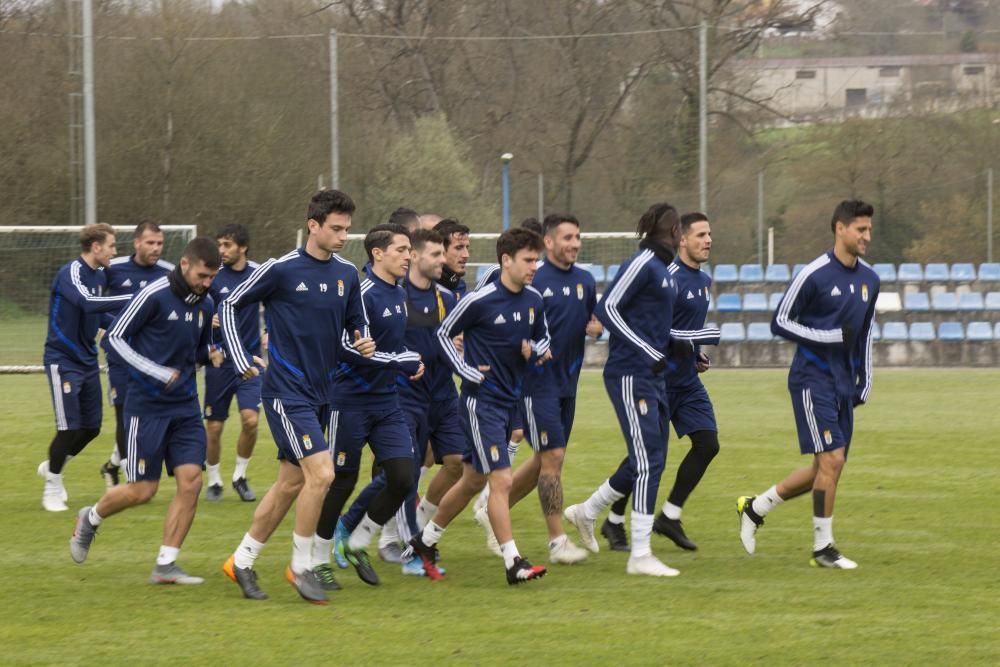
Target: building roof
{"points": [[871, 61]]}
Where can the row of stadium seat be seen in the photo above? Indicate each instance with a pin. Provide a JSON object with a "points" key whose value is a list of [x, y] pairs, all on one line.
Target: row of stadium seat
{"points": [[890, 302], [736, 332], [781, 273]]}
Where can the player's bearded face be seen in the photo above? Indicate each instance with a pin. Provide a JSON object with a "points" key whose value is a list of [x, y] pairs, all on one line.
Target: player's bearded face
{"points": [[522, 266], [148, 247], [698, 241], [565, 243], [197, 275], [230, 252], [430, 260], [857, 235], [457, 253]]}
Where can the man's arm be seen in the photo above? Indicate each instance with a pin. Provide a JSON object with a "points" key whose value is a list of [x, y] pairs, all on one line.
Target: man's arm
{"points": [[261, 283], [71, 287], [785, 323], [863, 351], [629, 282], [139, 311], [453, 325]]}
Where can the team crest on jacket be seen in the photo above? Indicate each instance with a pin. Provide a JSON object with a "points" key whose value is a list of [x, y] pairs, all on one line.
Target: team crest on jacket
{"points": [[579, 291], [531, 315], [643, 408], [340, 288], [201, 319], [864, 292]]}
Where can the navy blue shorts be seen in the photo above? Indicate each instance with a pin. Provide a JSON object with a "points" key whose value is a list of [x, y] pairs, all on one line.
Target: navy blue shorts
{"points": [[298, 428], [152, 442], [444, 430], [387, 432], [823, 421], [691, 410], [487, 428], [76, 397], [547, 418], [221, 384], [117, 383], [519, 421]]}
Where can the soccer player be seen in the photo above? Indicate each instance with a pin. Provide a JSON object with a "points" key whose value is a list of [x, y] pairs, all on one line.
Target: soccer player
{"points": [[548, 403], [430, 404], [456, 254], [163, 334], [505, 332], [313, 307], [366, 409], [222, 383], [75, 306], [829, 310], [638, 312], [690, 407], [128, 275]]}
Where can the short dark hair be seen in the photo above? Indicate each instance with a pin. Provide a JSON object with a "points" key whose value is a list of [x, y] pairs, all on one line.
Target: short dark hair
{"points": [[202, 249], [325, 202], [689, 219], [404, 216], [421, 237], [516, 239], [97, 233], [447, 227], [553, 220], [657, 219], [236, 233], [532, 224], [380, 236], [849, 210], [146, 226]]}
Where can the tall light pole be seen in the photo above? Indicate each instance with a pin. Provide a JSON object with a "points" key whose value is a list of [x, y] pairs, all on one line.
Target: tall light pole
{"points": [[505, 178], [334, 134], [89, 141], [703, 117]]}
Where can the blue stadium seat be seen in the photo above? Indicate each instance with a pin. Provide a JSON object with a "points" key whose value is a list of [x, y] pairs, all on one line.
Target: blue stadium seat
{"points": [[773, 300], [613, 271], [888, 302], [916, 301], [725, 273], [755, 302], [979, 331], [733, 332], [992, 301], [759, 331], [885, 272], [970, 301], [951, 331], [796, 269], [728, 302], [996, 331], [707, 268], [893, 331], [963, 272], [777, 273], [946, 301], [910, 273], [936, 272], [989, 271], [751, 273], [876, 331], [921, 331]]}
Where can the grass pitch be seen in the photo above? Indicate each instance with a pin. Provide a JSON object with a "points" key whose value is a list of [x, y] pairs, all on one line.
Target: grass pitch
{"points": [[914, 509]]}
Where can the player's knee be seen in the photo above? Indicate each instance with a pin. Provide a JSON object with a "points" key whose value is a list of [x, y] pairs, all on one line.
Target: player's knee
{"points": [[399, 475], [705, 445], [452, 465], [345, 480], [552, 460], [517, 435], [143, 492], [249, 420], [500, 482]]}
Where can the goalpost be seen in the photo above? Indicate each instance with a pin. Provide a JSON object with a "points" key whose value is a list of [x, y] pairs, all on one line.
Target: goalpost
{"points": [[29, 258]]}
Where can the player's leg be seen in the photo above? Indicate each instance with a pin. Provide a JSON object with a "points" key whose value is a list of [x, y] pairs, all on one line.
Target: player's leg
{"points": [[829, 466], [248, 402], [117, 386], [66, 386], [146, 445], [448, 447], [220, 387]]}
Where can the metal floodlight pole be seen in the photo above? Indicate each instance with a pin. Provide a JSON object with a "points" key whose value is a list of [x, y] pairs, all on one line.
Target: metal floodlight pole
{"points": [[989, 214], [541, 196], [334, 134], [760, 217], [89, 137], [703, 117], [505, 178]]}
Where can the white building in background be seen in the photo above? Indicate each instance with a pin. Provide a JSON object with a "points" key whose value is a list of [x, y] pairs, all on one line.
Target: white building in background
{"points": [[818, 88]]}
